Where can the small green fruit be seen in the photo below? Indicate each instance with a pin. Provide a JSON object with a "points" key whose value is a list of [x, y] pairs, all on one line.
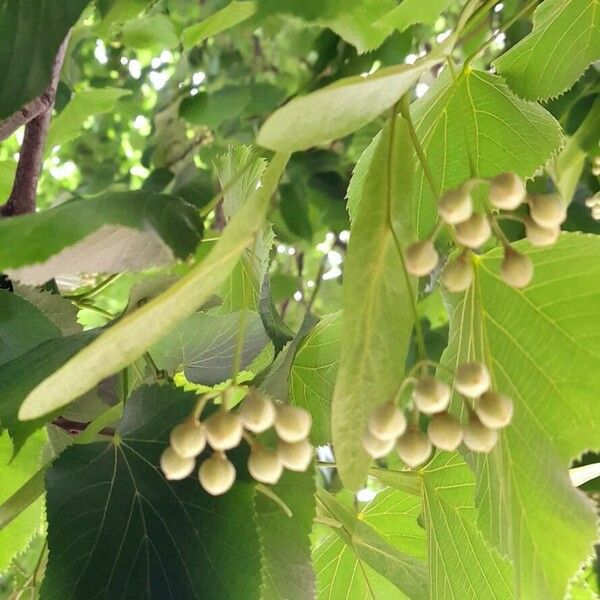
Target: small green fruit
{"points": [[387, 422], [457, 275], [216, 474], [478, 437], [431, 395], [445, 432], [547, 210], [474, 232], [224, 430], [472, 379], [516, 269], [292, 423], [175, 467], [507, 191], [455, 206], [264, 464], [413, 448], [188, 439], [494, 410], [296, 456], [257, 412], [421, 258], [376, 447], [540, 236]]}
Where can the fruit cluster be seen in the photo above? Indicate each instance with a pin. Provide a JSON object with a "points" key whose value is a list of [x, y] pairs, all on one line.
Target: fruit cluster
{"points": [[471, 229], [593, 204], [488, 412], [224, 430]]}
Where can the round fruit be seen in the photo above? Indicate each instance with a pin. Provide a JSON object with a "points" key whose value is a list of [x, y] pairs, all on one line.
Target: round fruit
{"points": [[387, 422], [474, 232], [457, 275], [421, 258], [494, 410], [472, 379], [257, 412], [478, 437], [507, 191], [224, 430], [413, 448], [264, 464], [296, 456], [292, 423], [547, 210], [430, 395], [445, 432], [188, 439], [540, 236], [216, 474], [455, 206], [516, 269], [174, 466], [375, 447]]}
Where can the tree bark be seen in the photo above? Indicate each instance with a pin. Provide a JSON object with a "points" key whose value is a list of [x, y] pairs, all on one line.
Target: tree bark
{"points": [[22, 199]]}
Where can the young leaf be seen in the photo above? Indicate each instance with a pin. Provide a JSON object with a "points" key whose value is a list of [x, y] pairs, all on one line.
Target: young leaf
{"points": [[22, 326], [26, 57], [313, 374], [136, 230], [205, 345], [377, 320], [67, 124], [542, 351], [212, 109], [338, 109], [563, 43], [231, 15], [475, 126], [285, 543], [410, 12], [138, 533], [406, 572], [154, 33], [127, 340], [13, 474], [462, 565]]}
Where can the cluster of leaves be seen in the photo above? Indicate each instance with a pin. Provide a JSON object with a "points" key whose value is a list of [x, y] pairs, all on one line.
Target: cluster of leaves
{"points": [[227, 192]]}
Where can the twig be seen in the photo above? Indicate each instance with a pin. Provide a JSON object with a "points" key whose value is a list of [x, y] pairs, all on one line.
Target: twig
{"points": [[23, 195]]}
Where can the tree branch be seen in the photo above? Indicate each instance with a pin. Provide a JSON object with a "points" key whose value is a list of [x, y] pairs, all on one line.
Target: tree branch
{"points": [[23, 195]]}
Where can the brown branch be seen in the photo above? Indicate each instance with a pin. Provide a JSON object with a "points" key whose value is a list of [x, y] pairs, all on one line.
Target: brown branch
{"points": [[29, 112], [23, 195]]}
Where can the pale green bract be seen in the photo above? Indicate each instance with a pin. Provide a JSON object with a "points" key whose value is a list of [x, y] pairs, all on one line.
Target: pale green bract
{"points": [[129, 338], [565, 40]]}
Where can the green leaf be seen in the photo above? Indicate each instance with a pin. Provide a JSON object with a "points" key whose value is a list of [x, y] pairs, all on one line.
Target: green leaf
{"points": [[20, 375], [378, 311], [476, 126], [313, 374], [136, 230], [279, 333], [204, 345], [127, 340], [338, 109], [118, 11], [8, 169], [407, 573], [214, 108], [26, 56], [410, 12], [22, 326], [233, 14], [462, 565], [565, 40], [285, 543], [13, 474], [66, 125], [543, 351], [342, 574], [138, 533], [154, 32]]}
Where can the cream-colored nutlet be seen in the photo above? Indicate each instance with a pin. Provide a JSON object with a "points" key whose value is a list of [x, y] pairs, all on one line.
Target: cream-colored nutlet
{"points": [[175, 467], [431, 395], [188, 439], [547, 210], [257, 412], [540, 236], [516, 269], [296, 456], [445, 432], [421, 258], [264, 464], [224, 430], [507, 191], [292, 423], [478, 437], [474, 232], [387, 421], [472, 379], [216, 474], [495, 410], [413, 448], [457, 275], [455, 206], [376, 447]]}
